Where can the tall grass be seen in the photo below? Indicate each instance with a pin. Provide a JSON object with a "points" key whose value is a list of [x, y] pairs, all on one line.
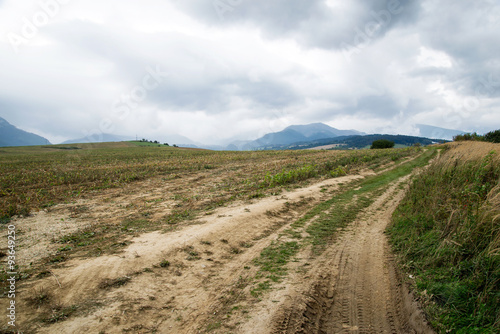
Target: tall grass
{"points": [[447, 234]]}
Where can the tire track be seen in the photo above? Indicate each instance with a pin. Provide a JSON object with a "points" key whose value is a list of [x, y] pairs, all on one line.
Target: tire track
{"points": [[355, 288]]}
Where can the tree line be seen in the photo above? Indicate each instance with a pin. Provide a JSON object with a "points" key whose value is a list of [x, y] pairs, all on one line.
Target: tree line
{"points": [[492, 137]]}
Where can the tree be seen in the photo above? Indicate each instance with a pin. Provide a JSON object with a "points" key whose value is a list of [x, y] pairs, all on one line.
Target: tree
{"points": [[468, 136], [382, 143], [493, 136]]}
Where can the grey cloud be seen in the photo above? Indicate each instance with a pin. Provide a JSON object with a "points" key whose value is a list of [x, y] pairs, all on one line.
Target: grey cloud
{"points": [[282, 14], [215, 96], [75, 70], [375, 106], [468, 32], [196, 80], [310, 22], [94, 43], [360, 24], [50, 117], [269, 93], [382, 106]]}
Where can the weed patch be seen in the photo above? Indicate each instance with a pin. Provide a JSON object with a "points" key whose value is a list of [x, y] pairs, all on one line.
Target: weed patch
{"points": [[39, 298], [273, 259]]}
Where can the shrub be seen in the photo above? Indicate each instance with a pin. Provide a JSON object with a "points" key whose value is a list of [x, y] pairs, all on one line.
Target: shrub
{"points": [[382, 143]]}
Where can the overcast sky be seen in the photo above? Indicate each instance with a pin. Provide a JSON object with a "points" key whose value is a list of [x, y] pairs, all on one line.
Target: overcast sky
{"points": [[212, 70]]}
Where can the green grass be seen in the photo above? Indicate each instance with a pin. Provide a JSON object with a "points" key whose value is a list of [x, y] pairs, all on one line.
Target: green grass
{"points": [[447, 235], [274, 258], [342, 209], [165, 264], [147, 144], [290, 176], [135, 225]]}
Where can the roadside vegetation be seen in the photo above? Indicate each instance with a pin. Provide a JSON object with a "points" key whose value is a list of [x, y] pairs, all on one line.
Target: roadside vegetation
{"points": [[447, 235]]}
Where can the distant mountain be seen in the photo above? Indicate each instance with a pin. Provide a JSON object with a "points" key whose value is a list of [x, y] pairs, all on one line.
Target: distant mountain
{"points": [[178, 140], [284, 137], [292, 134], [356, 142], [98, 138], [435, 132], [320, 131], [12, 136]]}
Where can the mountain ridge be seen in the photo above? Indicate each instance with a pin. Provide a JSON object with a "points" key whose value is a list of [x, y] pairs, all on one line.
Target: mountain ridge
{"points": [[293, 134], [11, 135]]}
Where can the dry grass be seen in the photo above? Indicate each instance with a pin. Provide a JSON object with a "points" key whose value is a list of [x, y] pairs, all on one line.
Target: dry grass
{"points": [[469, 151]]}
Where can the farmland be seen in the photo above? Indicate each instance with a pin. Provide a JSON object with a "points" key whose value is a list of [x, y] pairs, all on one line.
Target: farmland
{"points": [[118, 237], [33, 178]]}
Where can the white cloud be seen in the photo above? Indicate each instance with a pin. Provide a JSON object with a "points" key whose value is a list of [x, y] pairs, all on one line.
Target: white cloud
{"points": [[262, 67]]}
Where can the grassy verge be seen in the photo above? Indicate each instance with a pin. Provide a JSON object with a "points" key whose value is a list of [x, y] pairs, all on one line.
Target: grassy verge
{"points": [[447, 234], [342, 209]]}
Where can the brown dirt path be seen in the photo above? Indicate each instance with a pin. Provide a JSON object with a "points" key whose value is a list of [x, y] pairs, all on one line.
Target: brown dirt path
{"points": [[353, 287]]}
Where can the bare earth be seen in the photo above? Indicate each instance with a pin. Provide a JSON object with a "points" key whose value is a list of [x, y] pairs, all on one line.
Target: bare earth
{"points": [[351, 288]]}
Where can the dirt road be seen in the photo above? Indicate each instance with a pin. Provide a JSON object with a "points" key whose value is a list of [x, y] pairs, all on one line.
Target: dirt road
{"points": [[353, 287], [200, 278]]}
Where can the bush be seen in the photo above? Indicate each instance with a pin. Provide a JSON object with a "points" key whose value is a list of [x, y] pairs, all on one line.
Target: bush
{"points": [[493, 136], [382, 143]]}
